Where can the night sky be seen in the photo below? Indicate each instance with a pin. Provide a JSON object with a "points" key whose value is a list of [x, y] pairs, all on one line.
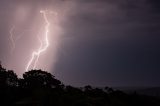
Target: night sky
{"points": [[96, 42]]}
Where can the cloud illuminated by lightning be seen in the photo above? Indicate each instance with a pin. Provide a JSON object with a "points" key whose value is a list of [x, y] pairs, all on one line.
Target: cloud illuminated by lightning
{"points": [[43, 44]]}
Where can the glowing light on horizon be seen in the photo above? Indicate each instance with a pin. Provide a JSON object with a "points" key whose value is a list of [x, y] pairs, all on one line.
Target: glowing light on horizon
{"points": [[32, 63]]}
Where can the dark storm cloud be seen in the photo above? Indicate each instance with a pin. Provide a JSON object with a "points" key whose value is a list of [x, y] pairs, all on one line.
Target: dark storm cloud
{"points": [[111, 42], [104, 42]]}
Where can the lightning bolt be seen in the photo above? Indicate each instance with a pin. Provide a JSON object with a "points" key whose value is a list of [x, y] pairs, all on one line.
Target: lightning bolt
{"points": [[12, 38], [43, 44]]}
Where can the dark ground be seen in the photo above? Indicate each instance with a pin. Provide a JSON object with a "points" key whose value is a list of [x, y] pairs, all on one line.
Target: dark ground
{"points": [[40, 88]]}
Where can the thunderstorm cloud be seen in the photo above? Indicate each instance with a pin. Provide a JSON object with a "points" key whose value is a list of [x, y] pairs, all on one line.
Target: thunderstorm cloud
{"points": [[98, 42]]}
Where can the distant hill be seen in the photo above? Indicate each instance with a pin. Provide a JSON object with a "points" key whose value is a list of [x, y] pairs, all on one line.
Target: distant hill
{"points": [[149, 91]]}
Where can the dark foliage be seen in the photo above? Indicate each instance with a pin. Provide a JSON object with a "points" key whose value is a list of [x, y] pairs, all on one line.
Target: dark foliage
{"points": [[40, 88], [39, 79]]}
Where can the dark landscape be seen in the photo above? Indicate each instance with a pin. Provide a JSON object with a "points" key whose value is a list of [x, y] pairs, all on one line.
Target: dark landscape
{"points": [[40, 88], [80, 52]]}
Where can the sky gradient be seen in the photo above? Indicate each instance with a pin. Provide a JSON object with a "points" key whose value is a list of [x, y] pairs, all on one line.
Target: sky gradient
{"points": [[96, 42]]}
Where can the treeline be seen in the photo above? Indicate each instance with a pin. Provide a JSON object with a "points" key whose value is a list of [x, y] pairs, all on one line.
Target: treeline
{"points": [[40, 88]]}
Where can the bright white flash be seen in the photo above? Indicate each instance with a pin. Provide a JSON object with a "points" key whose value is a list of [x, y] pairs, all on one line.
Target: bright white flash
{"points": [[43, 44]]}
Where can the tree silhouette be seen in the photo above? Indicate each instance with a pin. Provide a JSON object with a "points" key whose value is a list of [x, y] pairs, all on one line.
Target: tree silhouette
{"points": [[40, 88], [12, 79], [2, 77], [7, 78], [39, 79], [88, 88]]}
